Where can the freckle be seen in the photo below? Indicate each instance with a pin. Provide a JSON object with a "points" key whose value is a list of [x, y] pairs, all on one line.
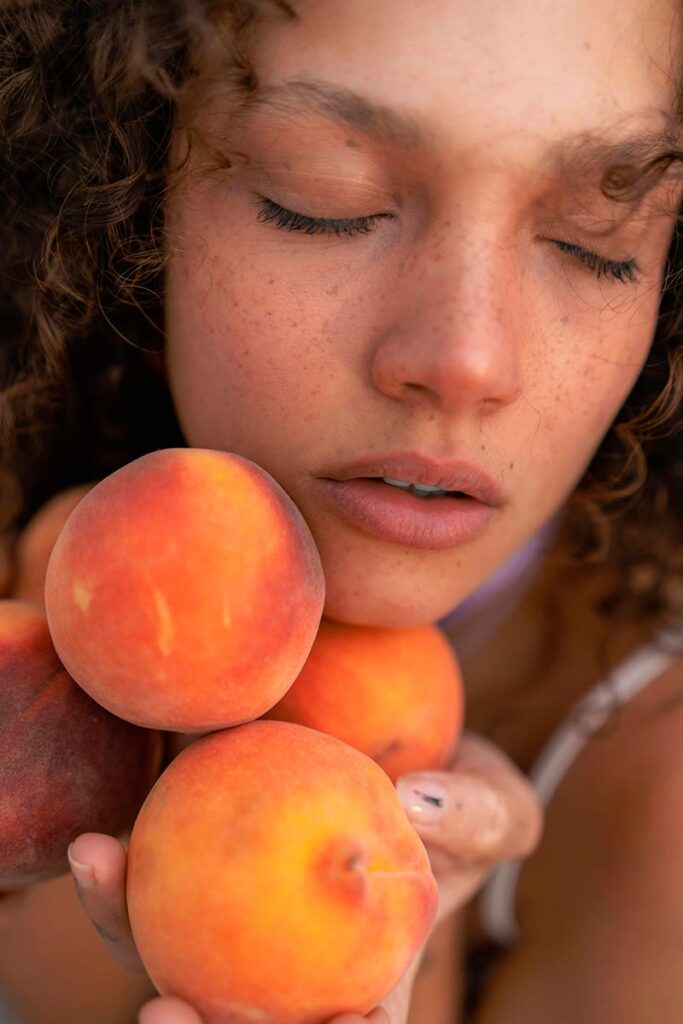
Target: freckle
{"points": [[587, 45], [564, 319], [351, 143], [483, 447], [271, 280], [512, 465]]}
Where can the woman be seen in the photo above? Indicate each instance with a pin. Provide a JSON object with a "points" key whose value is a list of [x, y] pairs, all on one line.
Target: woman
{"points": [[387, 244]]}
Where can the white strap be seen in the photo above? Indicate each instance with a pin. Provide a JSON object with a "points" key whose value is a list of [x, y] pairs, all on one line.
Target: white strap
{"points": [[497, 899]]}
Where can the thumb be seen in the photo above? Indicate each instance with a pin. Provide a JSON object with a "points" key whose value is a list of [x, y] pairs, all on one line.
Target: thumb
{"points": [[470, 817]]}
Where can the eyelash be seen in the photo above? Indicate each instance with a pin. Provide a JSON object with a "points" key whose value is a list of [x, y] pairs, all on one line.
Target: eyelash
{"points": [[625, 271], [272, 213]]}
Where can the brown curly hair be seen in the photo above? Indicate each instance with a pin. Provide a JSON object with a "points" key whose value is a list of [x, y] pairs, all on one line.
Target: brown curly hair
{"points": [[89, 93]]}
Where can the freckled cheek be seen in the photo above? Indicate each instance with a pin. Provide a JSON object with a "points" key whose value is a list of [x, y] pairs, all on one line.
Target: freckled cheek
{"points": [[264, 349], [586, 397]]}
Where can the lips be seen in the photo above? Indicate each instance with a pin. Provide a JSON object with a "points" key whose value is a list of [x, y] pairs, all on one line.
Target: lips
{"points": [[356, 494], [409, 467]]}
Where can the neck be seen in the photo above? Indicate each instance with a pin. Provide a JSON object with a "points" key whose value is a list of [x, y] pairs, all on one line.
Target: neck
{"points": [[551, 649]]}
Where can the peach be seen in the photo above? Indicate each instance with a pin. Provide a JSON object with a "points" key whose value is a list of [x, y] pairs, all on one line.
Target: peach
{"points": [[395, 694], [66, 765], [273, 876], [35, 543], [185, 591]]}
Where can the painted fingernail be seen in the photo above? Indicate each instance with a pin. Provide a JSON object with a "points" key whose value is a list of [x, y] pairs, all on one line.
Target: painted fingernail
{"points": [[423, 797], [83, 873]]}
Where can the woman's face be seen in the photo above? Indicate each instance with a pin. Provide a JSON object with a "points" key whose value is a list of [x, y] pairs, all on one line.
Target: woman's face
{"points": [[410, 271]]}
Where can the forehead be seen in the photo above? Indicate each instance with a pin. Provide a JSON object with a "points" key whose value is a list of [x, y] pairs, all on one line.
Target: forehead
{"points": [[462, 72]]}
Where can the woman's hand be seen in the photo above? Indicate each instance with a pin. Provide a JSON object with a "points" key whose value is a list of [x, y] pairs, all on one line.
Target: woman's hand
{"points": [[488, 811], [168, 1010], [479, 811]]}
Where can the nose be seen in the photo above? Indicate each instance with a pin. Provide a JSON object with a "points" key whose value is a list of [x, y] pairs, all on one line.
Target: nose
{"points": [[451, 340]]}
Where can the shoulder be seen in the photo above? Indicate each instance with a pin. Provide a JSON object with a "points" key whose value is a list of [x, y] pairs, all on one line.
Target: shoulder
{"points": [[600, 903]]}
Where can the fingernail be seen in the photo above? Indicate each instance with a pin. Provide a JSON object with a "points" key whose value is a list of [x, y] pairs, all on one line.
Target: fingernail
{"points": [[83, 873], [423, 797]]}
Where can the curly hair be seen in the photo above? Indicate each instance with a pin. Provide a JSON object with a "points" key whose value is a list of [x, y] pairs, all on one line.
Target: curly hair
{"points": [[89, 94]]}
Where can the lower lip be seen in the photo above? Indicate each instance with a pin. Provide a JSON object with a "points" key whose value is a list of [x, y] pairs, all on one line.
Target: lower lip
{"points": [[389, 513]]}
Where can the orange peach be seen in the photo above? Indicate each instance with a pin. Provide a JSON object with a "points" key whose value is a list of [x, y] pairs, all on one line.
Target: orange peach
{"points": [[395, 694], [66, 765], [185, 591], [37, 539], [273, 876]]}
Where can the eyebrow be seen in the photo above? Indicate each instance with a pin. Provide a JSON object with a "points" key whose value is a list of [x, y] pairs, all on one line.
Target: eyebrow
{"points": [[347, 108], [580, 154]]}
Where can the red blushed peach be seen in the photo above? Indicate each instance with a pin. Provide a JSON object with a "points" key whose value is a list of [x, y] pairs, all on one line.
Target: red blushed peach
{"points": [[66, 765], [395, 694], [185, 591], [273, 876]]}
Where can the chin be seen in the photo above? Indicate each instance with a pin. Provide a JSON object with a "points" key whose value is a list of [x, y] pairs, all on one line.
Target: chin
{"points": [[368, 608]]}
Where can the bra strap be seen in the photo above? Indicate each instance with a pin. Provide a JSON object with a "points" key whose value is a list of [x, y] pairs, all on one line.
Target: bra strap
{"points": [[591, 713]]}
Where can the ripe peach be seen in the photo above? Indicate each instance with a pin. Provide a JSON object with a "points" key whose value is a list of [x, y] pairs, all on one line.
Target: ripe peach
{"points": [[395, 694], [35, 543], [273, 876], [66, 765], [185, 591]]}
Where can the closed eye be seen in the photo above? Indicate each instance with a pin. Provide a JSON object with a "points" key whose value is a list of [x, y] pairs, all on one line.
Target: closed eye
{"points": [[273, 213], [626, 271]]}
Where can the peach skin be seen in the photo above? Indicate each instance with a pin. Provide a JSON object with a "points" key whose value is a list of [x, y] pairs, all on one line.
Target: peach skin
{"points": [[265, 864], [185, 591], [66, 764], [395, 694]]}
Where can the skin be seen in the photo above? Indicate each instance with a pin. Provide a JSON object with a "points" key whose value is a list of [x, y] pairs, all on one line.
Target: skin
{"points": [[457, 327]]}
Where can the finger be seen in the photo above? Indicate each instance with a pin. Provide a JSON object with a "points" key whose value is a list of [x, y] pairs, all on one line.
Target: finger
{"points": [[483, 759], [482, 810], [98, 864], [168, 1010]]}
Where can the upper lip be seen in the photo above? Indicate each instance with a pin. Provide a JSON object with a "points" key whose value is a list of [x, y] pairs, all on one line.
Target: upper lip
{"points": [[413, 467]]}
